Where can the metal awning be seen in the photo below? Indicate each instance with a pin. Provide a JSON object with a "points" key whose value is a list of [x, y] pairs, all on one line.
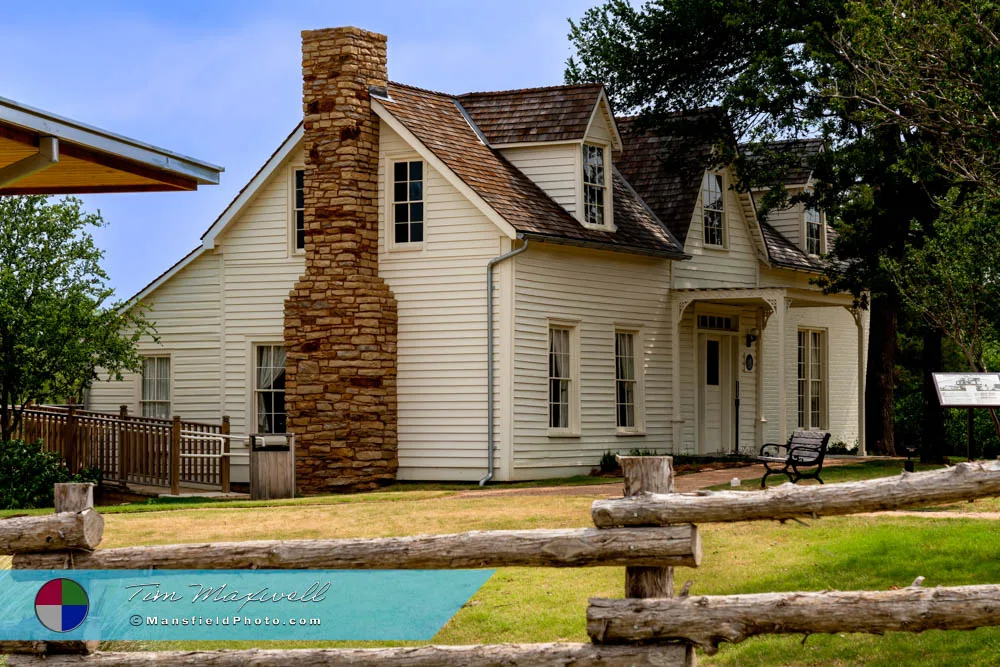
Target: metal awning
{"points": [[42, 153]]}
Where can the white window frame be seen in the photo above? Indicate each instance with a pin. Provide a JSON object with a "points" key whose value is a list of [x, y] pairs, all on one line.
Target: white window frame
{"points": [[639, 381], [572, 429], [609, 221], [724, 232], [390, 202], [293, 210], [805, 231], [254, 389], [170, 386], [809, 380]]}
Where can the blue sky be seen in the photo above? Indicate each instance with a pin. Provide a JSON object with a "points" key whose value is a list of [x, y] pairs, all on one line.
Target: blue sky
{"points": [[220, 81]]}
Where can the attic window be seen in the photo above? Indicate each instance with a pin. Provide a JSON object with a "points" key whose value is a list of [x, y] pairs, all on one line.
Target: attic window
{"points": [[408, 202], [594, 185], [299, 207], [713, 210], [814, 232]]}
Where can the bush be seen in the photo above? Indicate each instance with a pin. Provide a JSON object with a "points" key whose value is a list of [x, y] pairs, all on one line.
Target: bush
{"points": [[28, 474], [609, 464]]}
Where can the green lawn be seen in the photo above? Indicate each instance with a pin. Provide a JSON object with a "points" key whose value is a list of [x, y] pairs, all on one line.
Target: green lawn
{"points": [[538, 605]]}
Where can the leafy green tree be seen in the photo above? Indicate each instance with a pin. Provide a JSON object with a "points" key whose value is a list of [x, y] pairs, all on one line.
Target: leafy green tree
{"points": [[58, 323], [951, 278], [775, 70]]}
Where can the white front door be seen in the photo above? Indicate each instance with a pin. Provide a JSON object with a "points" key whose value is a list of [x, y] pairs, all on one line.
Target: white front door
{"points": [[716, 366]]}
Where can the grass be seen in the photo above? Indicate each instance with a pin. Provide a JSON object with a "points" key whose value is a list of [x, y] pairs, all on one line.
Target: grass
{"points": [[536, 605]]}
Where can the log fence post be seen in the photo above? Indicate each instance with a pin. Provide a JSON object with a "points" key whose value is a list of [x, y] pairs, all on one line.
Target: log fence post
{"points": [[224, 460], [648, 474], [175, 457]]}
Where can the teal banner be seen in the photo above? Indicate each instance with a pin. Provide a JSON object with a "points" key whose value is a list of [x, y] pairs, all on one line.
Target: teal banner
{"points": [[377, 605]]}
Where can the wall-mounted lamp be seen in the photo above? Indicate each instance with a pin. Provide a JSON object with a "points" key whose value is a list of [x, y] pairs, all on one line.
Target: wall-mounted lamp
{"points": [[752, 335]]}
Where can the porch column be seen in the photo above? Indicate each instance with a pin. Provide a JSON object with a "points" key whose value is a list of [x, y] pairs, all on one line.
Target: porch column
{"points": [[861, 321], [676, 421], [781, 306]]}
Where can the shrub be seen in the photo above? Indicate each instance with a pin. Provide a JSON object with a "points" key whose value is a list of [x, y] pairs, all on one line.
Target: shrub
{"points": [[609, 463], [28, 474], [642, 452]]}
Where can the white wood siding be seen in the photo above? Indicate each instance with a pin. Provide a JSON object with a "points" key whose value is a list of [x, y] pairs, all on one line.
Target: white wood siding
{"points": [[734, 266], [790, 221], [555, 168], [441, 295], [599, 291]]}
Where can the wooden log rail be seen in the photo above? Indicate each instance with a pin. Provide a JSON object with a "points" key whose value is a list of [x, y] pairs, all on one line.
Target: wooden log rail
{"points": [[709, 620], [54, 532], [578, 547], [964, 481], [498, 655]]}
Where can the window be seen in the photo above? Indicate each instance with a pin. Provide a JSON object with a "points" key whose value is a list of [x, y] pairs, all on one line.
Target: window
{"points": [[626, 381], [713, 210], [560, 378], [299, 208], [155, 399], [814, 232], [718, 323], [811, 379], [269, 388], [594, 185], [712, 362], [408, 202]]}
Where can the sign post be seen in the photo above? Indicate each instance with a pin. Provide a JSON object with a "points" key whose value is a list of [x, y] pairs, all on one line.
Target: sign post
{"points": [[968, 390]]}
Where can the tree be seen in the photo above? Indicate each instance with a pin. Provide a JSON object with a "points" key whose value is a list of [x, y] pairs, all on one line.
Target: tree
{"points": [[951, 278], [776, 72], [57, 322]]}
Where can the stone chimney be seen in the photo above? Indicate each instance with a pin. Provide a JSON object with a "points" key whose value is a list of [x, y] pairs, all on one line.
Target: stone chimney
{"points": [[340, 318]]}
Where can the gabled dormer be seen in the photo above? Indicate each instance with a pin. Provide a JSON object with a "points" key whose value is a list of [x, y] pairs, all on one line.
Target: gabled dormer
{"points": [[562, 138]]}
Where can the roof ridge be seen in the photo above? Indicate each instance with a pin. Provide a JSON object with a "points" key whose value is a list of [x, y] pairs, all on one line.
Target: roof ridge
{"points": [[421, 90], [562, 86]]}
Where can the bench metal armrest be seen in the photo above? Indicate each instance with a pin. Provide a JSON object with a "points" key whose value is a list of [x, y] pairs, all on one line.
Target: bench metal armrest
{"points": [[773, 450]]}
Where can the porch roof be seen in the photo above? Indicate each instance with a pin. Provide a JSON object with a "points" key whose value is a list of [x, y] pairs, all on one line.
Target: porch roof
{"points": [[796, 297], [42, 153]]}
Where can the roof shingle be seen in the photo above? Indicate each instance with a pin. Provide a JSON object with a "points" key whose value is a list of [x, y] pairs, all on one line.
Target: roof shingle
{"points": [[556, 113]]}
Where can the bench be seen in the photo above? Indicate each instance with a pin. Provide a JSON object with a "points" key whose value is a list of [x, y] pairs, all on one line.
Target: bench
{"points": [[805, 449]]}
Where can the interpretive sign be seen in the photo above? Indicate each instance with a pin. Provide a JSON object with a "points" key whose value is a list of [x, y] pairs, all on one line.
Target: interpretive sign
{"points": [[968, 390]]}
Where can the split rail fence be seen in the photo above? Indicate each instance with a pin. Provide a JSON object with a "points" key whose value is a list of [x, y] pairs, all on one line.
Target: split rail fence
{"points": [[130, 449], [649, 531]]}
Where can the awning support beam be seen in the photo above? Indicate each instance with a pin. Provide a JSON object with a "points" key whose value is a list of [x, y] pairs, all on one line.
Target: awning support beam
{"points": [[47, 155]]}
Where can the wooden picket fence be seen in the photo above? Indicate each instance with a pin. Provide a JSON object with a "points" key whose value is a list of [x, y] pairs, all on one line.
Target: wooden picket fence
{"points": [[649, 531], [132, 449]]}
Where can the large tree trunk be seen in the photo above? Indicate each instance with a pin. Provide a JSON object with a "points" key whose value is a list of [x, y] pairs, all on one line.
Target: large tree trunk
{"points": [[932, 443], [879, 396]]}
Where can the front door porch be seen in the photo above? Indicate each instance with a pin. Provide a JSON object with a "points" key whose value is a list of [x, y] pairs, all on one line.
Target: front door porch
{"points": [[741, 375]]}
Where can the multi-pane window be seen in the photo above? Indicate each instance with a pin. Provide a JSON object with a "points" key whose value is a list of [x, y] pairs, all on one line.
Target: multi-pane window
{"points": [[814, 232], [299, 208], [155, 399], [269, 388], [594, 185], [713, 209], [625, 380], [718, 323], [811, 379], [408, 201], [560, 378]]}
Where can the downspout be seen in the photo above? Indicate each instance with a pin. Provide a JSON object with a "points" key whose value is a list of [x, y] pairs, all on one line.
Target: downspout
{"points": [[490, 402]]}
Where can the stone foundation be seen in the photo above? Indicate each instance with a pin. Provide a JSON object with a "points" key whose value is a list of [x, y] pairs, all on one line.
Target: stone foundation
{"points": [[340, 319]]}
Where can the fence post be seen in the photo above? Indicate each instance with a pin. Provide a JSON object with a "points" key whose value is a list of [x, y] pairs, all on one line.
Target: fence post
{"points": [[649, 474], [69, 441], [74, 497], [122, 444], [175, 457], [224, 461]]}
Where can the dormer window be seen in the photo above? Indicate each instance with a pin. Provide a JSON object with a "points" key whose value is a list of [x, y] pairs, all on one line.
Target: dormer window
{"points": [[713, 210], [408, 202], [814, 231], [595, 186]]}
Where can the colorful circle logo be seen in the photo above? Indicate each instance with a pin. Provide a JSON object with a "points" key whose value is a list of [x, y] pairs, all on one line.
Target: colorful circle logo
{"points": [[61, 605]]}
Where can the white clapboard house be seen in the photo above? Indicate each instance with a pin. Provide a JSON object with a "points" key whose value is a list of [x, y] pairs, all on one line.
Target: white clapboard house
{"points": [[648, 307]]}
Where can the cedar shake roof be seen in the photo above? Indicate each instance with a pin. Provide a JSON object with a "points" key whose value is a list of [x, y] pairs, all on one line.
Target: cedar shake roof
{"points": [[665, 170], [786, 254], [436, 119], [556, 113], [805, 149]]}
